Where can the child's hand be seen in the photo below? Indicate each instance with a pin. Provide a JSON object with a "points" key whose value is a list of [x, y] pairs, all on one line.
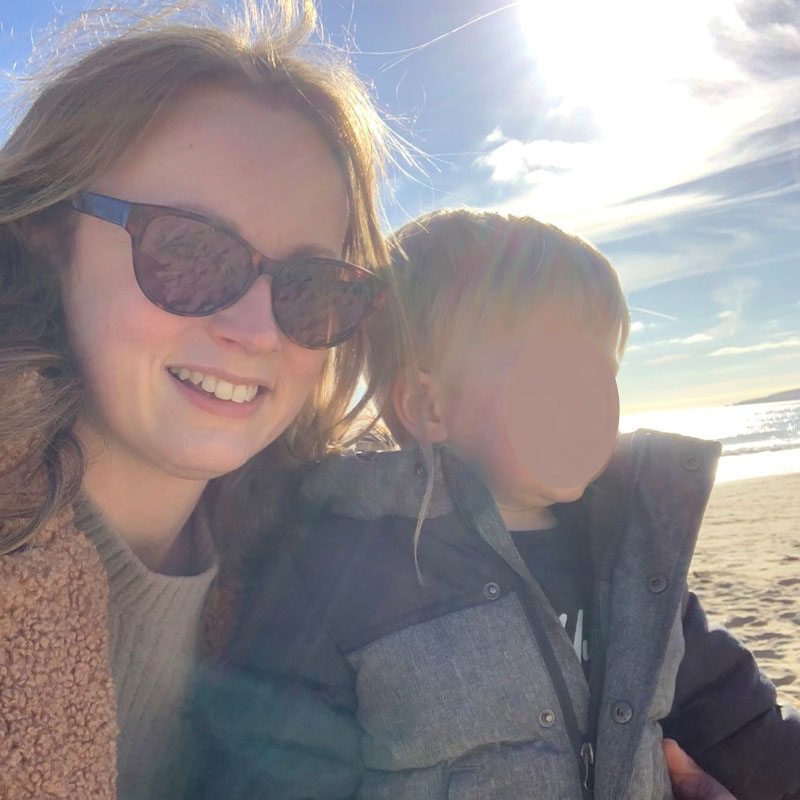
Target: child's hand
{"points": [[690, 782]]}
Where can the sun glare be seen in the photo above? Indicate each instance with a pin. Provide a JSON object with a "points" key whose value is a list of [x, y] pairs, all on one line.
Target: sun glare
{"points": [[592, 52], [644, 75]]}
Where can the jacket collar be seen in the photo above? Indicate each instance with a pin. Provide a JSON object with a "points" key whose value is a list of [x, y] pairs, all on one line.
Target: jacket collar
{"points": [[660, 470]]}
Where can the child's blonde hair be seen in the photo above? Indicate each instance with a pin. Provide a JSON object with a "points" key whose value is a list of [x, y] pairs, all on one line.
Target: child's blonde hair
{"points": [[458, 267]]}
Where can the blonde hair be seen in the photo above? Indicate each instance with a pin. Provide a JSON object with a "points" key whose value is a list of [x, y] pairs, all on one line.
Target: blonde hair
{"points": [[457, 267], [86, 115]]}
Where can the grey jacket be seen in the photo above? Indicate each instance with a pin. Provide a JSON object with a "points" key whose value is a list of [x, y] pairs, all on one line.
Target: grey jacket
{"points": [[347, 677]]}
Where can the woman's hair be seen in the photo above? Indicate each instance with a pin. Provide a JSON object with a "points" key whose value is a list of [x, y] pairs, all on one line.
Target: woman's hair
{"points": [[86, 114]]}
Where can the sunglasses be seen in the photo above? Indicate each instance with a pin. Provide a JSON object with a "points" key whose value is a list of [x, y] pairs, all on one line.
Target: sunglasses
{"points": [[187, 265]]}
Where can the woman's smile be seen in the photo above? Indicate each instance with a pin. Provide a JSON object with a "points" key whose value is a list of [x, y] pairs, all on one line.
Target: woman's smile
{"points": [[235, 390], [217, 396]]}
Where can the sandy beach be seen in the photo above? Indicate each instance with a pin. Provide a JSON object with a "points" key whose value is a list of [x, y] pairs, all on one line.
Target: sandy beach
{"points": [[746, 572]]}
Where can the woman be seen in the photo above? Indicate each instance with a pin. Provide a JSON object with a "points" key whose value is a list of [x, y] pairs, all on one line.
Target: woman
{"points": [[180, 215]]}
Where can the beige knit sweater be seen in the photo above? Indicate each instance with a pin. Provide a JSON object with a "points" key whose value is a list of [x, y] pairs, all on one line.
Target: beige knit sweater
{"points": [[154, 626]]}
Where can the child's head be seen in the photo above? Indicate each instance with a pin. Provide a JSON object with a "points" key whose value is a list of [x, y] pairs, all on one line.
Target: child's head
{"points": [[518, 330]]}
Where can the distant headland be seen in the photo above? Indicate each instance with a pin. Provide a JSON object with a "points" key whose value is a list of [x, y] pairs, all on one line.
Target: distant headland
{"points": [[778, 397]]}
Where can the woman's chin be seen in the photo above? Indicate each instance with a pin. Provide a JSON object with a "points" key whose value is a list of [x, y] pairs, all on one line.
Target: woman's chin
{"points": [[206, 464]]}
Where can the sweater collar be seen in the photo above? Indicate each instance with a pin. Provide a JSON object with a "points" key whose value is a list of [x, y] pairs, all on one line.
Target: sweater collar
{"points": [[129, 579]]}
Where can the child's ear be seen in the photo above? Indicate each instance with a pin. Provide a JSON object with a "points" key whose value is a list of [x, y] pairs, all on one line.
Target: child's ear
{"points": [[420, 408]]}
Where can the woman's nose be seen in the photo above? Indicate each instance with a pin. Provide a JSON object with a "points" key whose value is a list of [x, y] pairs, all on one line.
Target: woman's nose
{"points": [[249, 322]]}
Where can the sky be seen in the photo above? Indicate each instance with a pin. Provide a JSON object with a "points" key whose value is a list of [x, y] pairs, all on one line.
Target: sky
{"points": [[668, 134]]}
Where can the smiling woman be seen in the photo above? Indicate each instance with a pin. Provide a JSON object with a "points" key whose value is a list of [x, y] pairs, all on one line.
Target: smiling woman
{"points": [[189, 243]]}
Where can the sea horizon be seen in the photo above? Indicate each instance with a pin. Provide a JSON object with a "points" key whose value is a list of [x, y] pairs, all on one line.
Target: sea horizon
{"points": [[758, 439]]}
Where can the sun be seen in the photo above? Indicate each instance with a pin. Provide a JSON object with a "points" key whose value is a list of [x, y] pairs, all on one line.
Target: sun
{"points": [[603, 53]]}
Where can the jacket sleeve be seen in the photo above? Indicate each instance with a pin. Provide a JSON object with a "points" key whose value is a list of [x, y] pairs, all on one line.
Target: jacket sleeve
{"points": [[274, 717], [725, 714]]}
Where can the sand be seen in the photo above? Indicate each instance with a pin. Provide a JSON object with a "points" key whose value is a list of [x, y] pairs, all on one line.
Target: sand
{"points": [[746, 572]]}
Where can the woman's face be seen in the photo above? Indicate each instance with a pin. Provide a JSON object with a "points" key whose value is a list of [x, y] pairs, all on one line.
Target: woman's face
{"points": [[266, 173]]}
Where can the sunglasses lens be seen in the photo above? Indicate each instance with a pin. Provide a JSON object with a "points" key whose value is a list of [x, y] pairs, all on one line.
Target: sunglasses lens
{"points": [[320, 303], [187, 267]]}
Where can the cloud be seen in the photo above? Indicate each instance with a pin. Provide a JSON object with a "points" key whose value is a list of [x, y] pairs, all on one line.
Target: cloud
{"points": [[735, 294], [656, 257], [495, 136], [697, 338], [766, 41], [513, 160], [734, 298], [792, 343], [665, 359], [569, 123], [731, 368], [652, 312]]}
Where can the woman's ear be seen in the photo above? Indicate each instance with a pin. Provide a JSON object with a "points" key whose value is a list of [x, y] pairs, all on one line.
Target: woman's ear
{"points": [[419, 408]]}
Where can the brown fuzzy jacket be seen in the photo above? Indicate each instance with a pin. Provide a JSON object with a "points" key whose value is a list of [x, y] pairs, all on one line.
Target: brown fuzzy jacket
{"points": [[58, 723]]}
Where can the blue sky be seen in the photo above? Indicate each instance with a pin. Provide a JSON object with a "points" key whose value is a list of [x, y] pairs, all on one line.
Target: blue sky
{"points": [[668, 134]]}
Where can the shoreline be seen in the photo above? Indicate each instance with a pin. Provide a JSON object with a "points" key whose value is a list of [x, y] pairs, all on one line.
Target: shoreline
{"points": [[746, 571], [762, 464]]}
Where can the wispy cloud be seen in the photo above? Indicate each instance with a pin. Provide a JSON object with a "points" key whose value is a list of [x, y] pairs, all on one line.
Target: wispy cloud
{"points": [[766, 44], [652, 312], [638, 325], [734, 297], [652, 362], [645, 261], [761, 347], [696, 338]]}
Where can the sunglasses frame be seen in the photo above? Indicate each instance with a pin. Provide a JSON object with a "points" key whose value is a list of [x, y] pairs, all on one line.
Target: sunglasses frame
{"points": [[135, 217]]}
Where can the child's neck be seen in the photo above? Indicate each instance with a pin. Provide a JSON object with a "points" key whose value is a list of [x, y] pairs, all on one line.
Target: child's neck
{"points": [[520, 518]]}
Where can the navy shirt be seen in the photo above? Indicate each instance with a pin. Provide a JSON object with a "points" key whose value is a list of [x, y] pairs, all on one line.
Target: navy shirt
{"points": [[560, 561]]}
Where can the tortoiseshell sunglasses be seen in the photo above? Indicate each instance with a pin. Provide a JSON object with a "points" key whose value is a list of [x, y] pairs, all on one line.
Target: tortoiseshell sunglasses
{"points": [[190, 266]]}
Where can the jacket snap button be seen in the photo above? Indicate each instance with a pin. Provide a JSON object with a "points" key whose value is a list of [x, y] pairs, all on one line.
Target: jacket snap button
{"points": [[547, 718], [656, 583], [691, 462], [622, 713], [419, 471], [491, 591]]}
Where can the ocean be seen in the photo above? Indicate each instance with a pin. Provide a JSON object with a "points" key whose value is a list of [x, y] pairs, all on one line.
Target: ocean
{"points": [[757, 440]]}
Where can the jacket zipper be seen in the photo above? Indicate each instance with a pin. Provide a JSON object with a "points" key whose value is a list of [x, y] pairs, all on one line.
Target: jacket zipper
{"points": [[587, 754]]}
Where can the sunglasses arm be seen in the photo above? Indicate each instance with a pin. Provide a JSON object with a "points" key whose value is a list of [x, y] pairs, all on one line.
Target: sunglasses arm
{"points": [[109, 209]]}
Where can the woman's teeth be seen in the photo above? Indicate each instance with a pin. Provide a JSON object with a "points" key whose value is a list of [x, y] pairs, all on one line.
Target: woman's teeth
{"points": [[223, 390]]}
